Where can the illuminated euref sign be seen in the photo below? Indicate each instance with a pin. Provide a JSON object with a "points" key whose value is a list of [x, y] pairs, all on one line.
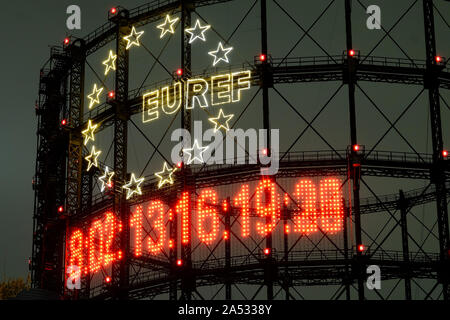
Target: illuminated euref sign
{"points": [[222, 89]]}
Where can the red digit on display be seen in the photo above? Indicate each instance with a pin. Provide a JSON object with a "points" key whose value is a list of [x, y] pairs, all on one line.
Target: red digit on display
{"points": [[109, 233], [136, 223], [76, 250], [182, 208], [207, 212], [242, 201], [269, 207], [156, 245], [95, 246], [331, 206], [305, 219]]}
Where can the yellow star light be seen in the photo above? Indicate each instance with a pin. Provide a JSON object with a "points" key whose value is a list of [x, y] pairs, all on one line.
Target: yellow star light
{"points": [[94, 155], [95, 92], [219, 123], [165, 176], [110, 63], [108, 175], [164, 28], [89, 132], [194, 31], [137, 186], [133, 35]]}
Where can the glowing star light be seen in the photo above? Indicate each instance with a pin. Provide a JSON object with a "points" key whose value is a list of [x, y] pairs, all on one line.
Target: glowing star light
{"points": [[134, 186], [197, 151], [167, 26], [89, 132], [92, 159], [110, 63], [133, 38], [95, 92], [197, 32], [221, 121], [106, 179], [222, 56], [165, 176]]}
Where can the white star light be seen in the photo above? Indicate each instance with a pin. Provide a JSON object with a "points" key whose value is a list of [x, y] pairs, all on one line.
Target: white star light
{"points": [[108, 176], [223, 54], [94, 155], [194, 32], [164, 28], [137, 186], [110, 63], [219, 123], [165, 176], [133, 35], [197, 150]]}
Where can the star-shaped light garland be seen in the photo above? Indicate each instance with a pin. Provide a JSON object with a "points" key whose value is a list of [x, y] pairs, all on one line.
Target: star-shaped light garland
{"points": [[164, 28], [89, 132], [108, 175], [194, 31], [94, 154], [223, 55], [197, 151], [165, 176], [133, 35], [137, 186], [219, 123], [110, 63], [95, 92]]}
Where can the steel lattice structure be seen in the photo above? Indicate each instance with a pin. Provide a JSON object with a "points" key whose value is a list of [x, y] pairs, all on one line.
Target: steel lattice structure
{"points": [[61, 177]]}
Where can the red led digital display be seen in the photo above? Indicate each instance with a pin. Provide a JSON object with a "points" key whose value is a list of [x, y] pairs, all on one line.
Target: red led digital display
{"points": [[312, 207]]}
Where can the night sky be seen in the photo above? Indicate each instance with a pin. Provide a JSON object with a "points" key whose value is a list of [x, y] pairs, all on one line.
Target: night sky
{"points": [[30, 27]]}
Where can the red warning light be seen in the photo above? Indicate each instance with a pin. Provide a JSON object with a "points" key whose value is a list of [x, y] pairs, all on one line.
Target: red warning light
{"points": [[225, 235], [179, 262], [60, 209], [445, 153], [351, 53], [63, 122], [356, 147], [264, 151], [113, 10], [361, 248], [108, 279], [111, 94], [66, 41], [262, 57], [266, 251], [438, 59], [180, 72], [179, 164]]}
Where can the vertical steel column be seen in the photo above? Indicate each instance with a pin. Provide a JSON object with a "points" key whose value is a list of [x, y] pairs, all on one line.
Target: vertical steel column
{"points": [[173, 229], [405, 247], [438, 177], [266, 122], [345, 235], [50, 185], [188, 283], [186, 58], [121, 268], [286, 283], [75, 165], [351, 69], [75, 120], [228, 250]]}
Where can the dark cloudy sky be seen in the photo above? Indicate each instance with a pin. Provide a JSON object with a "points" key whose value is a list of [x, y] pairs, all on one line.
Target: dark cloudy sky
{"points": [[30, 27]]}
